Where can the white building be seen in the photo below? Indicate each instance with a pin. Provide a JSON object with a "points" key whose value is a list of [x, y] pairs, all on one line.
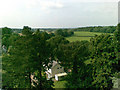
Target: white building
{"points": [[55, 71]]}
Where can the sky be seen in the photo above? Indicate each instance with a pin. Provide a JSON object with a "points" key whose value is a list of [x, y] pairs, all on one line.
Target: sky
{"points": [[58, 13]]}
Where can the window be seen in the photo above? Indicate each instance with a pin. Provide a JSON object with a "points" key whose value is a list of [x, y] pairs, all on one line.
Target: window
{"points": [[59, 68]]}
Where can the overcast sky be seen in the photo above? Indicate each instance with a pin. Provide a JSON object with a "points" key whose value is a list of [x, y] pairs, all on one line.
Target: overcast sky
{"points": [[58, 13]]}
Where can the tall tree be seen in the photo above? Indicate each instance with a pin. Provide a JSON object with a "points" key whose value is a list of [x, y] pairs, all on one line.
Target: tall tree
{"points": [[6, 33], [103, 57], [6, 30], [116, 43], [41, 55], [19, 59], [54, 43], [72, 56], [27, 55]]}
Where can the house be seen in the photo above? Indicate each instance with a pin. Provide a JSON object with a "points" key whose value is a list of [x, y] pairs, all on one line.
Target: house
{"points": [[20, 34], [56, 69], [59, 75]]}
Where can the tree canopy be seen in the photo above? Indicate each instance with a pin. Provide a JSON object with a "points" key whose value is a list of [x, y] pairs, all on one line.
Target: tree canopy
{"points": [[92, 63]]}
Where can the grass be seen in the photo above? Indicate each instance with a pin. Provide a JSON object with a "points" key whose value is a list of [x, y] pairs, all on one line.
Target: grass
{"points": [[73, 38], [59, 84], [82, 35]]}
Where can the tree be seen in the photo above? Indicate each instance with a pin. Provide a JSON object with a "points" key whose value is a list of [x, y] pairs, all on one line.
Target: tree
{"points": [[103, 57], [72, 56], [20, 68], [6, 33], [6, 30], [27, 55], [41, 55], [59, 32], [64, 33], [26, 30], [117, 37], [116, 43], [54, 43]]}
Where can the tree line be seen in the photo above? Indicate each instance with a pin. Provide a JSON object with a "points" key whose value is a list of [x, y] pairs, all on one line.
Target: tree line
{"points": [[70, 31], [93, 63], [103, 29], [64, 33]]}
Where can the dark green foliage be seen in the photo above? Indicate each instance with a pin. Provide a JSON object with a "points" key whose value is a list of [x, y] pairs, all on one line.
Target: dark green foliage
{"points": [[5, 40], [64, 33], [14, 77], [103, 57], [20, 63], [6, 30], [27, 55], [26, 30], [54, 43], [8, 37], [83, 78], [12, 39], [104, 29], [117, 37], [6, 33], [30, 53], [72, 56], [116, 43]]}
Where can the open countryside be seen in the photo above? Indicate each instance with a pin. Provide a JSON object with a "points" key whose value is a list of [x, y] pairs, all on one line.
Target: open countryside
{"points": [[56, 68], [60, 44]]}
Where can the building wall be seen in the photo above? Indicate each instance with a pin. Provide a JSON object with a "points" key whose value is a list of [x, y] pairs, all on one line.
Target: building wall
{"points": [[50, 71], [57, 69]]}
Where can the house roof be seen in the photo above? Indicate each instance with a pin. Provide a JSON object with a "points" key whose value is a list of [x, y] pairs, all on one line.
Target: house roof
{"points": [[53, 63]]}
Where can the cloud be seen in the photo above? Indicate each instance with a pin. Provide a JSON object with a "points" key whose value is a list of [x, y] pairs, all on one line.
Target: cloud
{"points": [[50, 4], [56, 12], [101, 7], [44, 4], [92, 0]]}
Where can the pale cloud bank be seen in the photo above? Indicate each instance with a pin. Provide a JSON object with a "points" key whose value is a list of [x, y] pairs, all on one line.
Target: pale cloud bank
{"points": [[44, 4], [58, 13]]}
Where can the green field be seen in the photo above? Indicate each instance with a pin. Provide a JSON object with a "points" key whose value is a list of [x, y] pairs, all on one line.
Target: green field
{"points": [[82, 35], [60, 84]]}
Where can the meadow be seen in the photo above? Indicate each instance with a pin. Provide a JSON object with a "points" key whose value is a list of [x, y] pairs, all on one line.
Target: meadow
{"points": [[60, 84], [82, 35]]}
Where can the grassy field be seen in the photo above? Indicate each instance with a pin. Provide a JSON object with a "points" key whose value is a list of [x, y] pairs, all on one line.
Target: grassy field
{"points": [[59, 84], [82, 35], [73, 38]]}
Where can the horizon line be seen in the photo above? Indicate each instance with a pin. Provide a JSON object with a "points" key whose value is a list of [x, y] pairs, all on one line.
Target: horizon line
{"points": [[59, 27]]}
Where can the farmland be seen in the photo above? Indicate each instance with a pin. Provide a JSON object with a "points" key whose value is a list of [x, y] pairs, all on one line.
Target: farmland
{"points": [[82, 35]]}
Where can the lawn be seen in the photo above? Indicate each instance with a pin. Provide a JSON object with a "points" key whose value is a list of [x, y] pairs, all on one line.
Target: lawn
{"points": [[82, 35], [60, 84]]}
